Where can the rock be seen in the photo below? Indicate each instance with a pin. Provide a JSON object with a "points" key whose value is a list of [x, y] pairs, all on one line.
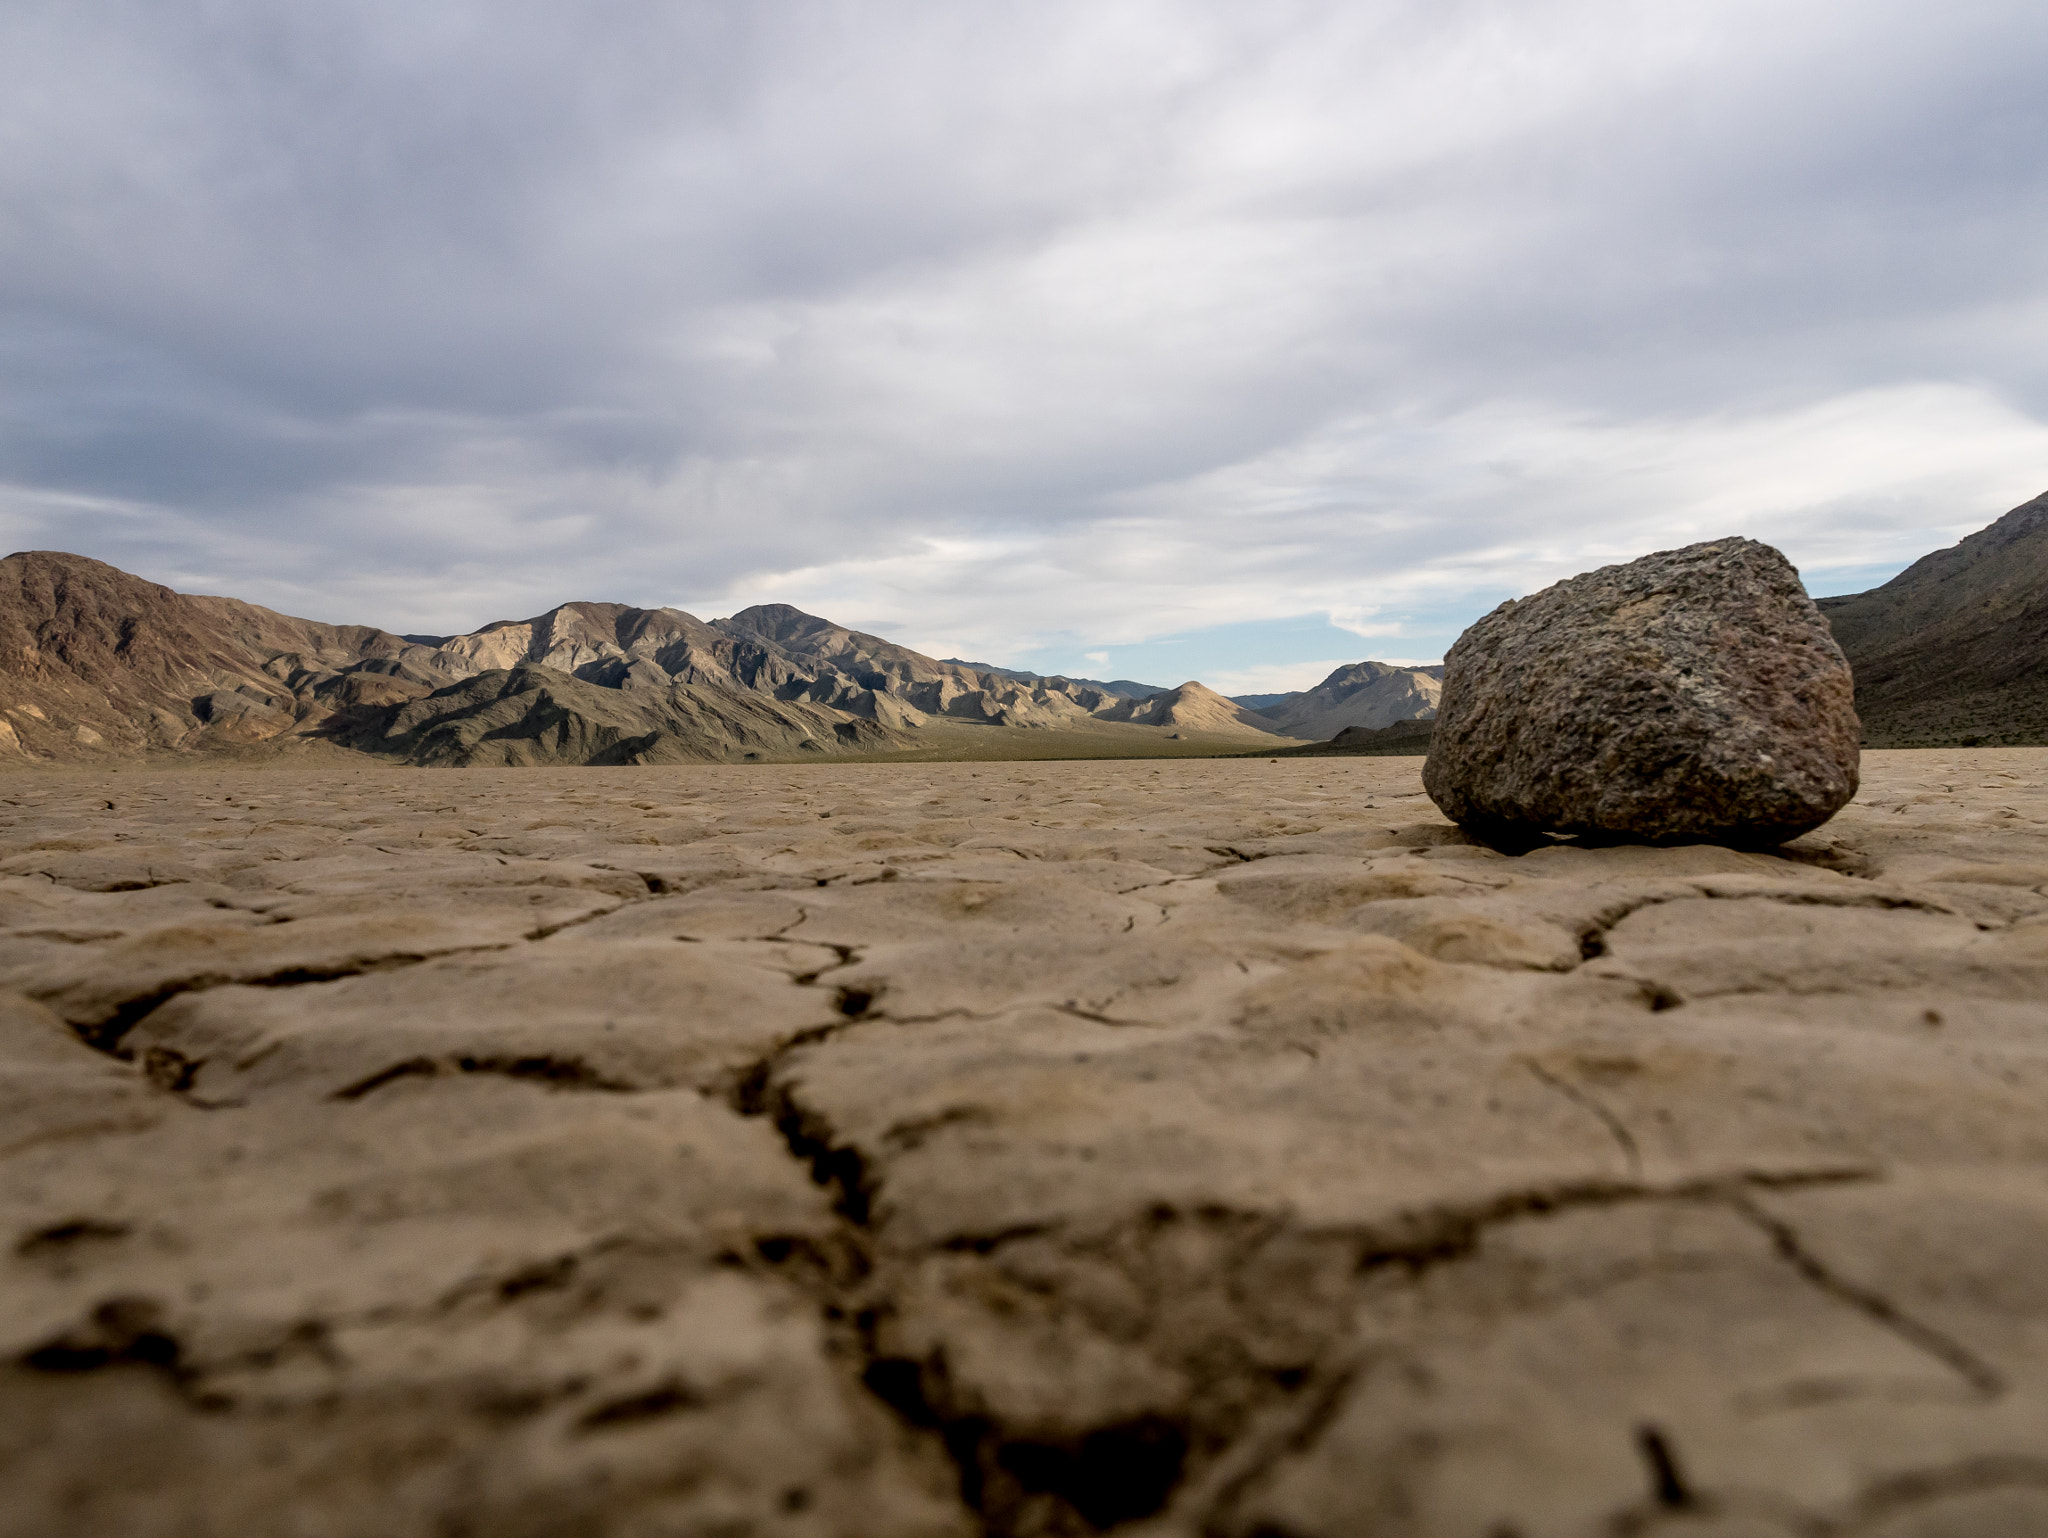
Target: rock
{"points": [[1693, 695]]}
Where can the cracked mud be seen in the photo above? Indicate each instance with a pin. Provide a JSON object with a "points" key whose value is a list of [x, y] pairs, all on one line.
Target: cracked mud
{"points": [[1229, 1149]]}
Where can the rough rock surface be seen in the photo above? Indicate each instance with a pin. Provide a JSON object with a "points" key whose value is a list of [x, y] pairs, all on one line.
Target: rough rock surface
{"points": [[1198, 1148], [1693, 694]]}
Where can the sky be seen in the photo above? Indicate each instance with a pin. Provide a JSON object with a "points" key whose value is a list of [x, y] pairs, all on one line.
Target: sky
{"points": [[1145, 339]]}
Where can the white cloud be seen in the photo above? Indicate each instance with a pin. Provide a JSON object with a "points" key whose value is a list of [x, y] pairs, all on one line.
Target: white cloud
{"points": [[1276, 677], [1525, 496], [990, 329]]}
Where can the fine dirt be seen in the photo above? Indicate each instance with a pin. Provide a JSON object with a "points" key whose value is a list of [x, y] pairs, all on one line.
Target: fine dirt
{"points": [[1227, 1148]]}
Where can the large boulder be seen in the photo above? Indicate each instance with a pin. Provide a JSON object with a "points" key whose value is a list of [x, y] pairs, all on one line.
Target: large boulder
{"points": [[1693, 695]]}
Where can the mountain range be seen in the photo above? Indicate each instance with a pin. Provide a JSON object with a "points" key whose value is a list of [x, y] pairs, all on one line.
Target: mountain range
{"points": [[1361, 694], [1129, 688], [1954, 650], [95, 661], [1951, 652]]}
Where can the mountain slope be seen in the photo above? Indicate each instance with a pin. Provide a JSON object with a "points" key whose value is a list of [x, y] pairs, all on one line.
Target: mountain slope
{"points": [[869, 676], [1956, 646], [1404, 739], [512, 717], [1127, 688], [94, 661], [1367, 694], [1192, 708]]}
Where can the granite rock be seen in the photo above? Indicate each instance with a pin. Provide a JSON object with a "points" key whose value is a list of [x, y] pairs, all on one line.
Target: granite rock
{"points": [[1695, 694]]}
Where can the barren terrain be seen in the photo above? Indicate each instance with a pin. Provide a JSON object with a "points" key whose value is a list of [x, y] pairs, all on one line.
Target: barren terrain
{"points": [[1226, 1147]]}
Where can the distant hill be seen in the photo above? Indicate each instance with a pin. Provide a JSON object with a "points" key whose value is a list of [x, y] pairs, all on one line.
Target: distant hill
{"points": [[1193, 708], [96, 662], [1404, 739], [1955, 648], [1125, 687], [1368, 694]]}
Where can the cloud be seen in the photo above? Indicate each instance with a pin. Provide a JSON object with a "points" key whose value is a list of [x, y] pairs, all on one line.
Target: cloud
{"points": [[1276, 677], [1518, 496], [1022, 330]]}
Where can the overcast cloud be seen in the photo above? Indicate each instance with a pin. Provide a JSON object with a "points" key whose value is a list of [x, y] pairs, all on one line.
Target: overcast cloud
{"points": [[1246, 337]]}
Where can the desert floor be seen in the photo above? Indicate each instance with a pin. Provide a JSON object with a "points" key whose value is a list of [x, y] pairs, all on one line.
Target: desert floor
{"points": [[1186, 1147]]}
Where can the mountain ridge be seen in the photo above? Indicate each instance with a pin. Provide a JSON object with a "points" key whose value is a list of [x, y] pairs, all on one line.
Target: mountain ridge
{"points": [[95, 661], [1130, 688], [1954, 650], [1369, 695], [1191, 707]]}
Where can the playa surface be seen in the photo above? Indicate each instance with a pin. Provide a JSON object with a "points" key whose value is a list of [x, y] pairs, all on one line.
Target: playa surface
{"points": [[1181, 1147]]}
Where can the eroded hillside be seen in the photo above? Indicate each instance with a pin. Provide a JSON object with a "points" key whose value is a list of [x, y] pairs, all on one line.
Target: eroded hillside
{"points": [[98, 664]]}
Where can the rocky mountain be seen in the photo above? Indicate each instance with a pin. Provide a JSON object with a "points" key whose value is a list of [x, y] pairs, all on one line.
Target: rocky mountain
{"points": [[92, 658], [1955, 648], [94, 661], [1193, 708], [513, 717], [1129, 688], [881, 681], [1368, 694], [1404, 739]]}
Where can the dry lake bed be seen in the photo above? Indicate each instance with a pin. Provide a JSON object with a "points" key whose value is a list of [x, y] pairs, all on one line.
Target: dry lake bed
{"points": [[1219, 1148]]}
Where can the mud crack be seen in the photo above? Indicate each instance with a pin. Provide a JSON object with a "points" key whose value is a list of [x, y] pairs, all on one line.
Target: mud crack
{"points": [[1585, 1100], [552, 1071], [1593, 930], [1951, 1353], [107, 1033]]}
